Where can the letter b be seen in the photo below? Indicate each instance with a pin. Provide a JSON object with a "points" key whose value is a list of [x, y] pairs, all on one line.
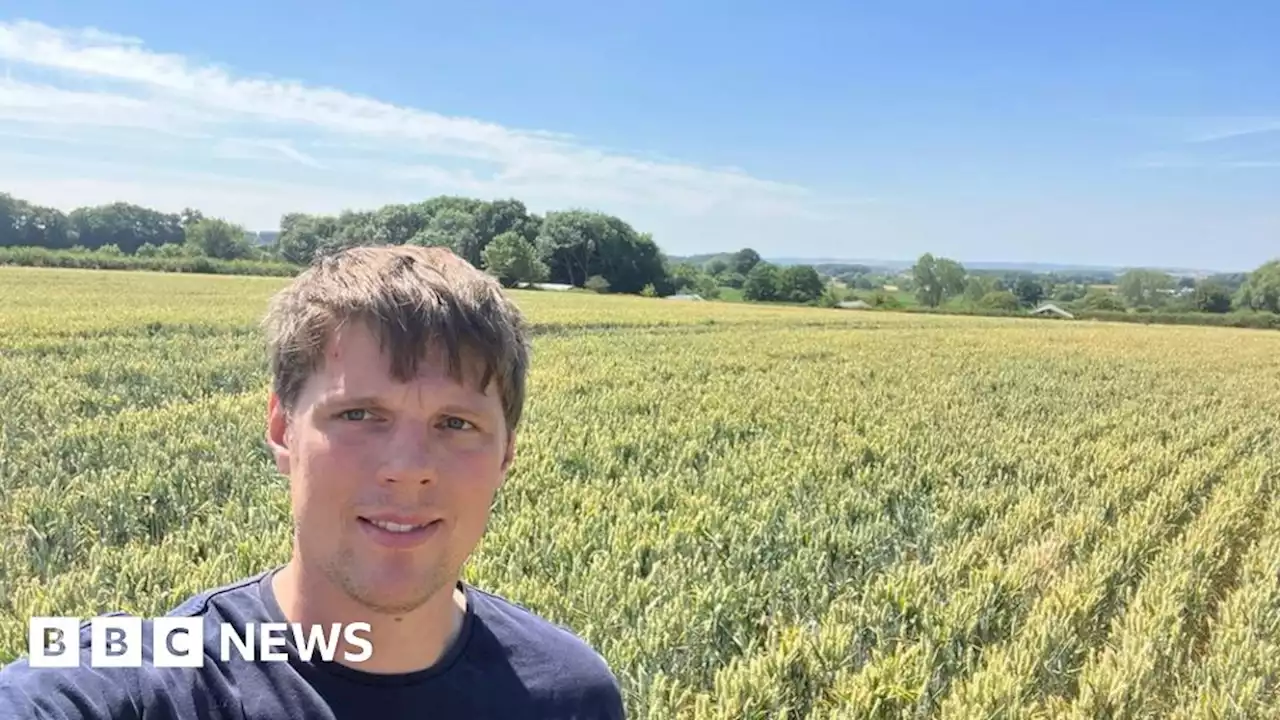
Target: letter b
{"points": [[53, 642], [117, 641]]}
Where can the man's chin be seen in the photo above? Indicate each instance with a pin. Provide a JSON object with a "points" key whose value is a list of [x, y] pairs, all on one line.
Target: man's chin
{"points": [[395, 593]]}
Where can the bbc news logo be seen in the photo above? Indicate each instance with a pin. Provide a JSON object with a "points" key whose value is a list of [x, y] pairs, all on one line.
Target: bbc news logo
{"points": [[178, 642]]}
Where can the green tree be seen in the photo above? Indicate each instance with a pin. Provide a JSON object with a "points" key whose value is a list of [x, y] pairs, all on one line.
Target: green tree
{"points": [[567, 243], [977, 287], [800, 284], [1068, 293], [763, 283], [512, 259], [455, 229], [1211, 297], [744, 260], [503, 216], [1028, 289], [707, 287], [1261, 290], [936, 279], [218, 239], [577, 244], [1145, 287], [732, 279], [126, 226], [10, 210], [1102, 300], [928, 286], [999, 300], [684, 277], [302, 236]]}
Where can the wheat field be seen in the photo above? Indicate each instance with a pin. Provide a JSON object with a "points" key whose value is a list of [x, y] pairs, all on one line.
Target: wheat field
{"points": [[752, 512]]}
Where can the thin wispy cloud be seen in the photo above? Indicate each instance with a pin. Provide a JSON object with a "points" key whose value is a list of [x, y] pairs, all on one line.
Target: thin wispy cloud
{"points": [[1214, 143], [95, 82], [264, 149], [1210, 130]]}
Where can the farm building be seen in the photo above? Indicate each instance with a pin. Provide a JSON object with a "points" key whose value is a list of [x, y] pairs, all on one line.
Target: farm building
{"points": [[1051, 310]]}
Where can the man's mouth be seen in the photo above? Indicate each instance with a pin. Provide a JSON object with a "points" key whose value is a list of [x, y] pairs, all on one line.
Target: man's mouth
{"points": [[401, 533], [396, 527]]}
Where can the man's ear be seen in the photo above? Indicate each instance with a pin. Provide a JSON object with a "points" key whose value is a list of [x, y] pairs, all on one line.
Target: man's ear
{"points": [[278, 432]]}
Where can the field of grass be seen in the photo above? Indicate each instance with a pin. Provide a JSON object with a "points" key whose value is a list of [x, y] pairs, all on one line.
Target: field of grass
{"points": [[750, 511]]}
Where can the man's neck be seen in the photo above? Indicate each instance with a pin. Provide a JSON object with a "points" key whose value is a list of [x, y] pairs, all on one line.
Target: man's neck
{"points": [[401, 643]]}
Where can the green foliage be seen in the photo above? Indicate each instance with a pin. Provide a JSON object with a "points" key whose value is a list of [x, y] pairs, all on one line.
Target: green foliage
{"points": [[1068, 293], [1029, 290], [883, 299], [219, 239], [744, 261], [732, 279], [512, 259], [1102, 300], [1212, 297], [977, 287], [174, 250], [799, 284], [707, 287], [936, 279], [763, 284], [169, 258], [452, 228], [597, 283], [1146, 287], [1261, 291], [126, 226], [830, 297], [577, 244], [999, 300]]}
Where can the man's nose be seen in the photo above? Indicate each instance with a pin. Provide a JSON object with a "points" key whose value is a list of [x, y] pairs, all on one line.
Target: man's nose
{"points": [[411, 455]]}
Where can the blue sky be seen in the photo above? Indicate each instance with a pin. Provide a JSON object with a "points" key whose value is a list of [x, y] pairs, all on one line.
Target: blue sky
{"points": [[1089, 132]]}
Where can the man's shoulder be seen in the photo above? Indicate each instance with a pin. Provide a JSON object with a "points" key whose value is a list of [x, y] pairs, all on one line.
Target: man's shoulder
{"points": [[549, 656], [234, 598], [85, 689]]}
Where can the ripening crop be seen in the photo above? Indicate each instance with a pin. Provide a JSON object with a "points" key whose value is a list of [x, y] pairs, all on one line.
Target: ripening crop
{"points": [[752, 512]]}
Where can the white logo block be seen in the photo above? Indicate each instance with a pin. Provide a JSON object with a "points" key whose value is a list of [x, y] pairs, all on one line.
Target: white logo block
{"points": [[53, 642], [178, 642], [116, 641]]}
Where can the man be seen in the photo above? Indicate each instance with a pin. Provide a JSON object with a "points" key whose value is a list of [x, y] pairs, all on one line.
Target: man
{"points": [[398, 383]]}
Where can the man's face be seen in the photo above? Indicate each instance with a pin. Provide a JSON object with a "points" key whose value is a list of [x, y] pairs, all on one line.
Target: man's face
{"points": [[363, 450]]}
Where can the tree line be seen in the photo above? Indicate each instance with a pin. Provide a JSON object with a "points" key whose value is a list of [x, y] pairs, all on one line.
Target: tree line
{"points": [[938, 281], [123, 229], [596, 251], [581, 248]]}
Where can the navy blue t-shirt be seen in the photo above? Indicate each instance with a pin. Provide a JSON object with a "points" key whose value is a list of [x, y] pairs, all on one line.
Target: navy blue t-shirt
{"points": [[506, 663]]}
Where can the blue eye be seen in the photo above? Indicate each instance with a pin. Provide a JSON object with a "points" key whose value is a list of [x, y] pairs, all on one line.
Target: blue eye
{"points": [[455, 423], [361, 415]]}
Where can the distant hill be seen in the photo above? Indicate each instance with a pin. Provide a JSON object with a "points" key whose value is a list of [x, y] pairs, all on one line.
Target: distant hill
{"points": [[894, 266]]}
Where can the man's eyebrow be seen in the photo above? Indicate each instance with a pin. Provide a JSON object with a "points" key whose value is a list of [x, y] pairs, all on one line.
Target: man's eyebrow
{"points": [[463, 409], [355, 400]]}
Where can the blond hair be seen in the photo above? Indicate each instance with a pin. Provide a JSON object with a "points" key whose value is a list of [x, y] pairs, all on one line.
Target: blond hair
{"points": [[415, 300]]}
